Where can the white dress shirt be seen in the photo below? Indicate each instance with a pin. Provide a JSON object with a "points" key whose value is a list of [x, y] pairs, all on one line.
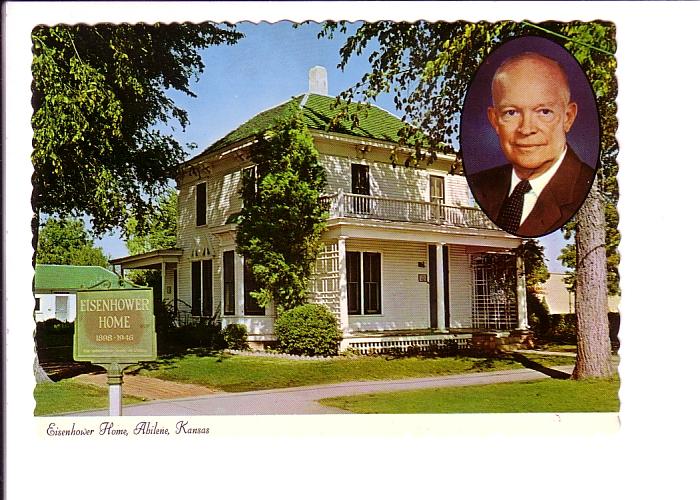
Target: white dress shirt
{"points": [[537, 185]]}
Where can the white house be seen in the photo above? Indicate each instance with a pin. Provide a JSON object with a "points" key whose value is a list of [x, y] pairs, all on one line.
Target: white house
{"points": [[55, 287], [407, 254]]}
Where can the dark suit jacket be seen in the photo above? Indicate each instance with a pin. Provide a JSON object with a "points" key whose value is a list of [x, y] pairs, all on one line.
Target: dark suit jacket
{"points": [[558, 202]]}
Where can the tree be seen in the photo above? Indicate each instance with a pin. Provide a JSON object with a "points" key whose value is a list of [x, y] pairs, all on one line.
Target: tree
{"points": [[156, 232], [66, 241], [428, 68], [536, 273], [99, 92], [280, 225]]}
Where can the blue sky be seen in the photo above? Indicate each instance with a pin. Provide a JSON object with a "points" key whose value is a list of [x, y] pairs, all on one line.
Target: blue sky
{"points": [[268, 66]]}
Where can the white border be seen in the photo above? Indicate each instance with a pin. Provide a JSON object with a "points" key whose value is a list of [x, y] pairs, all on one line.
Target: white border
{"points": [[658, 76]]}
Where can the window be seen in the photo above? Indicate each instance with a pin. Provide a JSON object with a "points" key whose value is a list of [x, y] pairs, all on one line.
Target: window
{"points": [[62, 307], [353, 278], [364, 271], [360, 185], [229, 284], [249, 181], [201, 202], [437, 196], [202, 299], [250, 305], [37, 304], [360, 179]]}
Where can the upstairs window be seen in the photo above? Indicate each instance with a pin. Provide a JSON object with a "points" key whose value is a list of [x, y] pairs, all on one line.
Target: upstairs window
{"points": [[360, 179], [250, 181], [201, 202]]}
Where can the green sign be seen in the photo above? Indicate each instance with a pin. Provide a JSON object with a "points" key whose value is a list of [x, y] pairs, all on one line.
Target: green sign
{"points": [[114, 326]]}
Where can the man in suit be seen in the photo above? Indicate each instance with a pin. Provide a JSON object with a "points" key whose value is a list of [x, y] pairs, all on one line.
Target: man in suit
{"points": [[545, 182]]}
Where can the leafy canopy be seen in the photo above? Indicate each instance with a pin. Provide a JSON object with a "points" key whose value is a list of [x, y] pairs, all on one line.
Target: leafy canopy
{"points": [[67, 242], [158, 230], [99, 94], [280, 225]]}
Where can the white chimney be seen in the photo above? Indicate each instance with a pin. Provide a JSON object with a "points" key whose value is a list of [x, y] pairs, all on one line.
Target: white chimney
{"points": [[318, 80]]}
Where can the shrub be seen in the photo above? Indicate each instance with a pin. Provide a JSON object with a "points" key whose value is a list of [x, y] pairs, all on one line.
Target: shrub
{"points": [[236, 337], [198, 335], [165, 317], [538, 315], [54, 333], [562, 328], [310, 330]]}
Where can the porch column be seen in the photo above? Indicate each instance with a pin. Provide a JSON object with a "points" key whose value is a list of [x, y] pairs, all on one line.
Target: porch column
{"points": [[239, 283], [343, 286], [521, 293], [162, 281], [440, 284]]}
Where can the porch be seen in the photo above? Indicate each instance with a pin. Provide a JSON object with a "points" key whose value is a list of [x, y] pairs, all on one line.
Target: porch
{"points": [[359, 206], [164, 261], [425, 290]]}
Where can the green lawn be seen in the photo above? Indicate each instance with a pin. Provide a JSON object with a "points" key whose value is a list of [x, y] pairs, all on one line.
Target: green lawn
{"points": [[241, 373], [543, 396], [68, 396]]}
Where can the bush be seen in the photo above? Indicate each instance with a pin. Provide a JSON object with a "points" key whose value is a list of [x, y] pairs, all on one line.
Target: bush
{"points": [[165, 317], [195, 336], [54, 333], [236, 337], [562, 328], [311, 330], [537, 315]]}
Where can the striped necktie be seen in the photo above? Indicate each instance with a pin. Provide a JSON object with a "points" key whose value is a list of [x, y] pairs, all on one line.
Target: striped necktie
{"points": [[512, 209]]}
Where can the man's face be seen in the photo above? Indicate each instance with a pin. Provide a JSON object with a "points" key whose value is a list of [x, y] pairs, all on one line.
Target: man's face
{"points": [[531, 114]]}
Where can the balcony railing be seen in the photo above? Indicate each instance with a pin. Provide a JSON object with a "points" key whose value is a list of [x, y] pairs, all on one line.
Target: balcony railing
{"points": [[397, 210]]}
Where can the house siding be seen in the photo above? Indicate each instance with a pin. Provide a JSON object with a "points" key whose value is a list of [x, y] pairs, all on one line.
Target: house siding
{"points": [[405, 303], [394, 181]]}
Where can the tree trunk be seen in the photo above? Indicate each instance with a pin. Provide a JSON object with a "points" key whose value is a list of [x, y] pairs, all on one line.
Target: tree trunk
{"points": [[593, 341], [40, 375]]}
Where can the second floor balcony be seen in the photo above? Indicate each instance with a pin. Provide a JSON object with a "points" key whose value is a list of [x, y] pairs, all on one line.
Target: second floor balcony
{"points": [[401, 210]]}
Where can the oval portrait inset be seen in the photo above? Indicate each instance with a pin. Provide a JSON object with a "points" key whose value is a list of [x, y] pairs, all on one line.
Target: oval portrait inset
{"points": [[530, 136]]}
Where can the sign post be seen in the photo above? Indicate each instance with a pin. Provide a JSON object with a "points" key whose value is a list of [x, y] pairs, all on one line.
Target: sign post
{"points": [[115, 328]]}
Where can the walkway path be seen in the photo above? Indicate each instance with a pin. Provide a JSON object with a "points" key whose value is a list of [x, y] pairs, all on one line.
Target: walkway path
{"points": [[149, 387], [303, 400]]}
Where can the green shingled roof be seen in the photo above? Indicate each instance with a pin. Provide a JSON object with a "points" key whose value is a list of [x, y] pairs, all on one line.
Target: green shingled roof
{"points": [[318, 112], [69, 278]]}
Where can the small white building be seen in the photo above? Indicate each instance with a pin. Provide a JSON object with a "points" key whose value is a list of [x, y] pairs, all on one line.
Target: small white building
{"points": [[561, 300], [55, 287], [407, 254]]}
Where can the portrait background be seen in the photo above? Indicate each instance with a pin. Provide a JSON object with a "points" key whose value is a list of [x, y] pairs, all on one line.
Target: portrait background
{"points": [[478, 140]]}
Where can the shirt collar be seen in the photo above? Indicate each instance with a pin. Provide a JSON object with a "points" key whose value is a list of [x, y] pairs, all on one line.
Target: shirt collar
{"points": [[540, 182]]}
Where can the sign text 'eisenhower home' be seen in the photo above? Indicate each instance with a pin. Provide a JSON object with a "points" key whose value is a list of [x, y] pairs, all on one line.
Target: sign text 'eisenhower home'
{"points": [[115, 326], [114, 305]]}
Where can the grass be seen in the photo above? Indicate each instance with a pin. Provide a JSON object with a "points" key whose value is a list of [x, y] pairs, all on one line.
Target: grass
{"points": [[542, 396], [241, 373], [69, 396]]}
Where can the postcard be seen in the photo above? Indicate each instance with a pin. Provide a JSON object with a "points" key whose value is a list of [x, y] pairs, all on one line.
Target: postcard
{"points": [[302, 240]]}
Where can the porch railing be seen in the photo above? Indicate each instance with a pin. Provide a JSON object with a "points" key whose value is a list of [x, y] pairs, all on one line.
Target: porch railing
{"points": [[360, 206]]}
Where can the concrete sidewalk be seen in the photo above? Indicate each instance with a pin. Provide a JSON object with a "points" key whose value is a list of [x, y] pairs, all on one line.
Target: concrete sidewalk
{"points": [[303, 400]]}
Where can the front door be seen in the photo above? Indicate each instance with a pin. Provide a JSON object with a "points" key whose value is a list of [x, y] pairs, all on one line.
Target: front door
{"points": [[432, 281]]}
